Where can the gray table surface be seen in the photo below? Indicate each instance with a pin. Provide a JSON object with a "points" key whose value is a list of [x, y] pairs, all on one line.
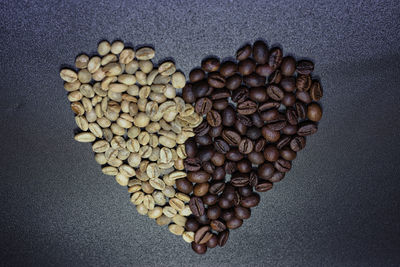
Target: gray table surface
{"points": [[339, 206]]}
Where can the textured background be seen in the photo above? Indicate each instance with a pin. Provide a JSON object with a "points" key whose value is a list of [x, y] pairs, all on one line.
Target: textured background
{"points": [[339, 206]]}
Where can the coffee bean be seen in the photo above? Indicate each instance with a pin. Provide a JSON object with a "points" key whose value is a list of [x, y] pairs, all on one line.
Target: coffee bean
{"points": [[198, 176], [275, 57], [233, 82], [307, 128], [214, 118], [234, 223], [244, 52], [303, 82], [242, 213], [218, 226], [203, 140], [265, 171], [291, 116], [228, 116], [256, 157], [264, 70], [254, 80], [240, 95], [314, 112], [275, 92], [260, 52], [258, 94], [275, 77], [227, 215], [259, 145], [288, 66], [245, 146], [234, 155], [231, 137], [244, 120], [210, 199], [192, 225], [200, 88], [270, 135], [188, 94], [203, 105], [184, 186], [270, 115], [210, 64], [196, 206], [282, 165], [213, 213], [217, 188], [303, 96], [276, 177], [271, 153], [219, 173], [213, 242], [196, 75], [247, 66], [263, 186], [316, 91], [225, 203], [230, 167], [220, 94], [289, 99], [203, 219], [220, 104], [215, 131], [297, 143], [287, 154], [253, 132], [202, 129], [223, 238], [244, 166], [201, 189], [191, 148], [228, 68], [239, 179], [269, 105], [305, 67], [218, 159], [192, 164], [301, 110], [290, 129], [221, 146], [199, 249], [250, 201], [216, 80]]}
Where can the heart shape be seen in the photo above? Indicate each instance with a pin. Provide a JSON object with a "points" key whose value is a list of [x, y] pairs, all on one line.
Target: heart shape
{"points": [[198, 158]]}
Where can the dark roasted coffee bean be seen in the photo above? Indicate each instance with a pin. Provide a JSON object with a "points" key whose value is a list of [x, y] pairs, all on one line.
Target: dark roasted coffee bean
{"points": [[203, 105], [234, 223], [220, 104], [214, 118], [191, 148], [242, 213], [198, 177], [254, 80], [291, 116], [220, 93], [264, 70], [307, 128], [236, 199], [196, 75], [227, 215], [276, 177], [221, 146], [259, 145], [245, 191], [213, 213], [265, 171], [253, 133], [271, 153], [203, 140], [244, 120], [192, 164], [217, 225], [314, 112], [192, 225], [202, 129], [200, 88], [275, 77], [256, 157], [288, 154], [275, 57], [253, 178], [208, 167], [234, 155], [213, 242], [297, 143], [229, 192], [240, 179], [290, 129], [240, 95], [282, 165], [228, 116], [233, 82], [228, 68], [223, 238], [199, 249], [196, 206], [300, 110], [246, 146], [288, 66], [247, 107], [184, 186], [210, 91], [260, 52], [205, 153], [210, 199], [230, 167], [210, 64], [217, 188], [216, 80], [303, 97], [203, 219], [288, 84], [219, 173], [240, 127], [275, 92], [215, 131], [218, 159], [289, 99], [202, 235], [201, 189], [244, 166], [269, 105], [225, 203], [263, 186], [250, 201], [303, 82], [305, 67], [283, 141], [231, 137], [269, 115], [270, 135], [244, 52], [316, 92], [258, 94], [188, 94], [278, 124], [246, 66]]}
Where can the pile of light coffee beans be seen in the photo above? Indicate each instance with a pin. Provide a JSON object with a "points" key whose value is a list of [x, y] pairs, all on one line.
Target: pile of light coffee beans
{"points": [[257, 113]]}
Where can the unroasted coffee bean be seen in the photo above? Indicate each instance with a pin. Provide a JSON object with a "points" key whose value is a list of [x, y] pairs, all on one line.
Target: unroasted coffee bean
{"points": [[203, 105], [260, 52], [263, 186], [196, 206], [305, 67], [288, 66], [217, 225], [297, 143], [196, 75], [265, 171], [228, 68], [307, 128], [250, 201], [210, 64]]}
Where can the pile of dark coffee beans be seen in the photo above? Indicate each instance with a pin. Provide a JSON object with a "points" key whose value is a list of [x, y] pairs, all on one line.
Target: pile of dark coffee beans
{"points": [[258, 112]]}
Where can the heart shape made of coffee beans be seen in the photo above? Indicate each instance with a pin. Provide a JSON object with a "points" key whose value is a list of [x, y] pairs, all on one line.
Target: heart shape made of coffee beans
{"points": [[194, 162]]}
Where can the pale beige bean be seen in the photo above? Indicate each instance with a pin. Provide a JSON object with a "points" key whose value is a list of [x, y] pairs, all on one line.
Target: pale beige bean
{"points": [[178, 80], [99, 75], [144, 138], [68, 75], [97, 89], [118, 142], [133, 90], [141, 209], [165, 155], [176, 229], [169, 92], [153, 127], [127, 170], [155, 213], [141, 77], [96, 130], [112, 116], [112, 69], [111, 153], [122, 179], [117, 130], [141, 104], [146, 66], [145, 53], [100, 158], [134, 182], [181, 151], [108, 135], [108, 59], [94, 64], [103, 122], [147, 188], [167, 68], [125, 106], [127, 79], [161, 79], [75, 96], [169, 191], [142, 120], [163, 220], [113, 106], [81, 61], [117, 47], [151, 76], [179, 220], [124, 123], [96, 100], [134, 160], [98, 111], [82, 123], [186, 211], [179, 164], [144, 92], [126, 56], [165, 141], [72, 86], [176, 204], [182, 196], [103, 48], [158, 97], [100, 146], [109, 170], [115, 162], [117, 87], [123, 154], [84, 76], [159, 198], [158, 88], [87, 104], [170, 115], [132, 67], [155, 154], [157, 183], [169, 211], [85, 137], [106, 82], [137, 198], [116, 96], [188, 237], [133, 132], [134, 189], [148, 202], [145, 151], [133, 145]]}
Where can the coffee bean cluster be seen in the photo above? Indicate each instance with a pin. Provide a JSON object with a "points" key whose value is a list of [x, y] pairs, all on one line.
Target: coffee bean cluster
{"points": [[257, 113]]}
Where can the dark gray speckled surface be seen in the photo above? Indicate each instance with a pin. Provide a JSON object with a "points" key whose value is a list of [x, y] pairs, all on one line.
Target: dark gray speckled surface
{"points": [[339, 206]]}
